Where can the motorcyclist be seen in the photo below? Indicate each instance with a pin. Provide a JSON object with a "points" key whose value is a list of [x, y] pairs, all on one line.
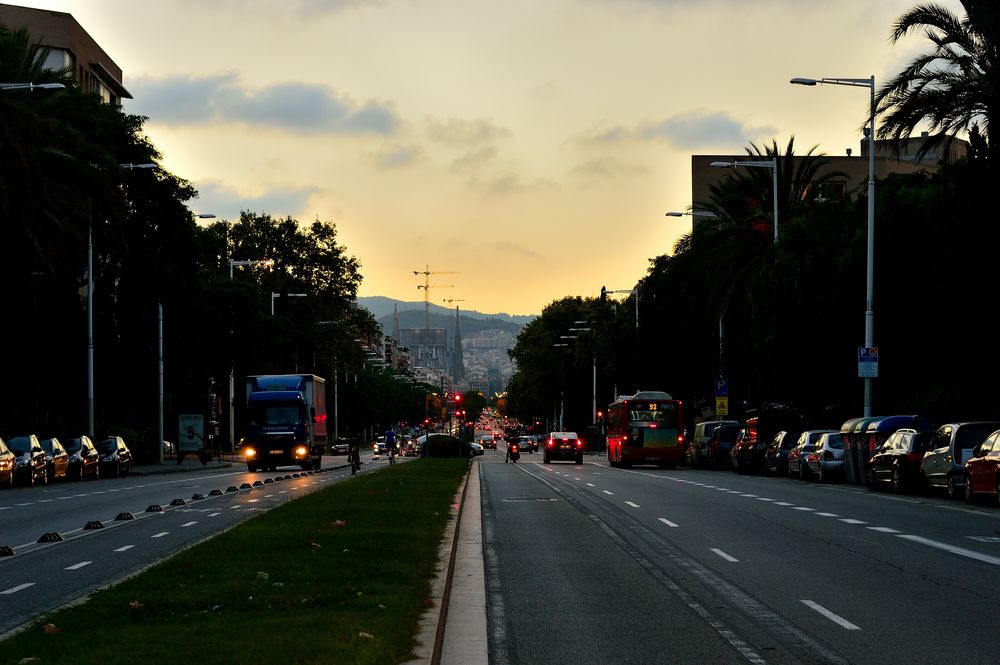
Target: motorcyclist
{"points": [[512, 453]]}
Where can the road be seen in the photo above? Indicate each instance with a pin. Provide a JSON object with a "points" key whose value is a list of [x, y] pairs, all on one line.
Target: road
{"points": [[141, 520], [589, 564]]}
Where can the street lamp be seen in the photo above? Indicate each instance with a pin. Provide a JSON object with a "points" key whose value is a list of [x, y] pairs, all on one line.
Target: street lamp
{"points": [[593, 359], [275, 296], [232, 370], [764, 164], [870, 269], [31, 86]]}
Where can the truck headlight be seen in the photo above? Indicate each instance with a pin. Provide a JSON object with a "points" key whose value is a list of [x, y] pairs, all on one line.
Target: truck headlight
{"points": [[301, 451], [249, 452]]}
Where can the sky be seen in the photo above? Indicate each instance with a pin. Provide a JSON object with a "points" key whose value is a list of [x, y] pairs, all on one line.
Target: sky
{"points": [[521, 151]]}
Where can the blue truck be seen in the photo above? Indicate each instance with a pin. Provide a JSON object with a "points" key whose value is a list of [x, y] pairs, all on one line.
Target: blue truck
{"points": [[286, 421]]}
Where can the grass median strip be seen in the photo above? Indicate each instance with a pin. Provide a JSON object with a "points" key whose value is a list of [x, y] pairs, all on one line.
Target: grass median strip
{"points": [[341, 575]]}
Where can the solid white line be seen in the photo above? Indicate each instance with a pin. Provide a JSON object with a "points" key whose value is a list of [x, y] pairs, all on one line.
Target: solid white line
{"points": [[634, 505], [189, 523], [961, 551], [20, 587], [724, 555], [122, 549], [608, 493], [839, 620], [77, 566], [666, 521], [160, 534]]}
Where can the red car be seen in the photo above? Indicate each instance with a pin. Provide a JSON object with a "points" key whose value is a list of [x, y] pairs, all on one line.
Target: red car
{"points": [[982, 470]]}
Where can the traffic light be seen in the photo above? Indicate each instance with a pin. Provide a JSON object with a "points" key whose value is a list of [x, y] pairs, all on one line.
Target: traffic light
{"points": [[604, 295]]}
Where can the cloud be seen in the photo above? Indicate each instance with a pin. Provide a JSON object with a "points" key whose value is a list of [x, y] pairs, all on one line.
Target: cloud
{"points": [[688, 130], [607, 167], [302, 108], [456, 131], [546, 91], [225, 202], [396, 156], [506, 247], [473, 159]]}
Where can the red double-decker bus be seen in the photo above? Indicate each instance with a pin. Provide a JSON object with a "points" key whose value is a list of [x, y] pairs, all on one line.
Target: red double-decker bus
{"points": [[646, 428]]}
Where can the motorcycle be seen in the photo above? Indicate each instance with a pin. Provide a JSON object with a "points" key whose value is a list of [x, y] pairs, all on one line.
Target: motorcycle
{"points": [[513, 452]]}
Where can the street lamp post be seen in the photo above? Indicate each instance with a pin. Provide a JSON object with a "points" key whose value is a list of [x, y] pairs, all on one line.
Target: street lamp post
{"points": [[232, 369], [31, 86], [870, 267], [764, 164]]}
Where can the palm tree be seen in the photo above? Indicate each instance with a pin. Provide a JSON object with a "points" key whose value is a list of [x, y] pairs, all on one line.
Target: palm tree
{"points": [[953, 87]]}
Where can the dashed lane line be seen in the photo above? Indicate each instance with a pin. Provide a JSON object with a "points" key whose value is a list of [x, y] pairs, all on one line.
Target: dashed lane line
{"points": [[667, 522], [836, 618], [78, 566], [15, 589], [725, 556], [634, 505]]}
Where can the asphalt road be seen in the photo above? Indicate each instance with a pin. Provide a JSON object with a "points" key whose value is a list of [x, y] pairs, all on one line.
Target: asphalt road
{"points": [[589, 564]]}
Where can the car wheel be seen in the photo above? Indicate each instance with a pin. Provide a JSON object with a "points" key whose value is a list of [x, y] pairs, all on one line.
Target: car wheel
{"points": [[579, 459], [969, 496], [897, 481], [870, 480], [996, 486], [252, 468], [952, 489], [545, 459]]}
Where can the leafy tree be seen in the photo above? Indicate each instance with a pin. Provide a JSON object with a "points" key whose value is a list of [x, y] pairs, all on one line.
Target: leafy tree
{"points": [[953, 87]]}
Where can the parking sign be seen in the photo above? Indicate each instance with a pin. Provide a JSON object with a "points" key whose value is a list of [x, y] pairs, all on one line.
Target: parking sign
{"points": [[868, 362]]}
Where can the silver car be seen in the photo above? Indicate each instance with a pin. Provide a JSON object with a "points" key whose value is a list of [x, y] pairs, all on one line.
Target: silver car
{"points": [[826, 460], [943, 465]]}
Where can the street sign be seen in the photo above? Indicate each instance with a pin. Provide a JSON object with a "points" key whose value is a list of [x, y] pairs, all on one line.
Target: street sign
{"points": [[722, 406], [868, 362], [722, 387], [190, 433]]}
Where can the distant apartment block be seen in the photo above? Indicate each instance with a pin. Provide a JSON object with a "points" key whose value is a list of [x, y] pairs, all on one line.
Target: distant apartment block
{"points": [[70, 47]]}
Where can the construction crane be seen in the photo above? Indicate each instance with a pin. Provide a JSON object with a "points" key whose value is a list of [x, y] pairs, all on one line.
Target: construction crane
{"points": [[426, 286]]}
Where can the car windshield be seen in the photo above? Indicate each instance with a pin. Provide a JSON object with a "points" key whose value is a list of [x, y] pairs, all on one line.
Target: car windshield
{"points": [[726, 433], [20, 445], [107, 446], [835, 441], [73, 445], [47, 445]]}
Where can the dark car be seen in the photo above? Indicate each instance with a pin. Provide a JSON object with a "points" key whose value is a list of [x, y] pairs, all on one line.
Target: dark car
{"points": [[116, 458], [31, 466], [563, 446], [749, 455], [804, 446], [943, 466], [7, 463], [777, 451], [897, 461], [84, 460], [699, 452], [56, 458], [982, 470]]}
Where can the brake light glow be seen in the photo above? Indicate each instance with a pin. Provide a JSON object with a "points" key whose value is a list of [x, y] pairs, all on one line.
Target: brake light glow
{"points": [[550, 443], [579, 443], [914, 457], [680, 438], [827, 455]]}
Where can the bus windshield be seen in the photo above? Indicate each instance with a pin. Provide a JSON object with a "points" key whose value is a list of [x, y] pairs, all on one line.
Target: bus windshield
{"points": [[661, 414]]}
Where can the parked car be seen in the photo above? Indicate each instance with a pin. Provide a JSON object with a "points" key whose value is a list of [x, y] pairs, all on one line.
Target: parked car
{"points": [[897, 461], [31, 466], [116, 458], [699, 452], [943, 466], [56, 459], [8, 462], [981, 470], [477, 448], [777, 451], [749, 455], [826, 460], [84, 460], [563, 446], [805, 444]]}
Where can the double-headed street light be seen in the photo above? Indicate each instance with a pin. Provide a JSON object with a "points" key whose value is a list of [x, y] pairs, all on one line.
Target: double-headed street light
{"points": [[31, 86], [870, 269], [764, 164]]}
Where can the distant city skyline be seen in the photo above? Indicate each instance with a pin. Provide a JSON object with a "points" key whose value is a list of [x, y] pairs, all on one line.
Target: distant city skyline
{"points": [[529, 150]]}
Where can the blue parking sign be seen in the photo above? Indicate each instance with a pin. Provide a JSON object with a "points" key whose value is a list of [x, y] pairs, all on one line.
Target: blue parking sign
{"points": [[868, 362]]}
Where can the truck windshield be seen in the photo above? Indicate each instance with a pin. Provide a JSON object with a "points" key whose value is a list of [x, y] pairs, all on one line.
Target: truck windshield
{"points": [[275, 414]]}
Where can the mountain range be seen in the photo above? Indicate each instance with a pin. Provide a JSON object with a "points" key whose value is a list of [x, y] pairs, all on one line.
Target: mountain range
{"points": [[411, 315]]}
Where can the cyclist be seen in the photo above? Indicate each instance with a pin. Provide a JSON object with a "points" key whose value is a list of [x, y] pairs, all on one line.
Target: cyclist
{"points": [[390, 445]]}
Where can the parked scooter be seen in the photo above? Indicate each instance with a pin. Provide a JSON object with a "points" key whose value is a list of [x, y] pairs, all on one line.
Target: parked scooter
{"points": [[513, 453]]}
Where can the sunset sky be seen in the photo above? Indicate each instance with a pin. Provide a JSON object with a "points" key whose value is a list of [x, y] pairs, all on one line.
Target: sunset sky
{"points": [[529, 147]]}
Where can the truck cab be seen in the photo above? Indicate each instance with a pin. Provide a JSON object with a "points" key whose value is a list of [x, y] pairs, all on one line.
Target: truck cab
{"points": [[286, 422]]}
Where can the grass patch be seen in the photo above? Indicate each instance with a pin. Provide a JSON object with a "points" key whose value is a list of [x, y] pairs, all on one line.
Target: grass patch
{"points": [[340, 575]]}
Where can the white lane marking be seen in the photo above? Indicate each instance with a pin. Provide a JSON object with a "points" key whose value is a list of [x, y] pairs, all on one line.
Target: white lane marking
{"points": [[126, 547], [189, 523], [828, 514], [802, 508], [46, 500], [5, 507], [78, 566], [882, 529], [634, 505], [667, 522], [590, 484], [575, 478], [848, 520], [253, 500], [22, 505], [214, 514], [839, 620], [764, 498], [608, 493], [749, 496], [160, 534], [961, 551], [783, 503], [15, 589], [236, 507], [725, 556]]}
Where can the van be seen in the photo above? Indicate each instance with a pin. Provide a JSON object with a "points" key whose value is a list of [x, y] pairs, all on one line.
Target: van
{"points": [[699, 453]]}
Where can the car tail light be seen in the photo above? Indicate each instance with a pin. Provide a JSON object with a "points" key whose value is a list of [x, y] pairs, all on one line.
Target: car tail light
{"points": [[680, 438], [914, 457], [550, 443], [579, 443], [827, 455]]}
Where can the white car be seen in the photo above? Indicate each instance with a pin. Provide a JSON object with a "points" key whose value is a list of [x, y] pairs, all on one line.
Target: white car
{"points": [[477, 449]]}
